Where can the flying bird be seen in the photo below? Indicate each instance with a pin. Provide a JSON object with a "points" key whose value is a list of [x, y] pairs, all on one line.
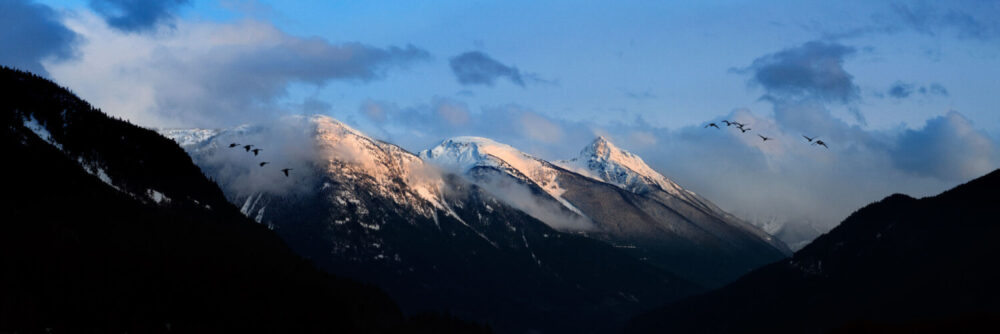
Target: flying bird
{"points": [[256, 150], [820, 142], [807, 138], [764, 138], [247, 147], [712, 125], [744, 129], [233, 145], [738, 124], [285, 170], [262, 163], [728, 123]]}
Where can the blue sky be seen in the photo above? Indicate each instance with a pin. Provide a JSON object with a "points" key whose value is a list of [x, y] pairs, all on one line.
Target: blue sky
{"points": [[895, 87]]}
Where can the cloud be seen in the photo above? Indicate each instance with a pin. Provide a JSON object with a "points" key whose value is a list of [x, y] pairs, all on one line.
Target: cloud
{"points": [[978, 20], [32, 33], [477, 68], [214, 74], [137, 15], [936, 89], [930, 20], [639, 95], [814, 70], [902, 90], [947, 147], [791, 181], [421, 126]]}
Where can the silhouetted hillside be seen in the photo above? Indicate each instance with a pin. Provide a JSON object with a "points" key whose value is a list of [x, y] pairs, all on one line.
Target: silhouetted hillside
{"points": [[898, 265], [108, 227]]}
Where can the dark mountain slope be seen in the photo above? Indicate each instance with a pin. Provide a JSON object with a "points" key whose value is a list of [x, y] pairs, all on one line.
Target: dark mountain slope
{"points": [[109, 227], [896, 265]]}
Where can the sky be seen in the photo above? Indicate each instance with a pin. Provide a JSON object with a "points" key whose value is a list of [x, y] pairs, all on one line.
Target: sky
{"points": [[903, 93]]}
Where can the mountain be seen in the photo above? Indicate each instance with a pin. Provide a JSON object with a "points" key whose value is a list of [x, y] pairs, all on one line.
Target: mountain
{"points": [[370, 210], [611, 195], [898, 265], [109, 227]]}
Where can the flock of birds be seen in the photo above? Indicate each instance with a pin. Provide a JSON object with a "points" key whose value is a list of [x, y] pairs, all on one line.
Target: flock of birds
{"points": [[743, 129], [256, 151]]}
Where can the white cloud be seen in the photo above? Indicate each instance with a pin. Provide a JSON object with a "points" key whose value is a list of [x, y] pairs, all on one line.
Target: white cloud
{"points": [[208, 73]]}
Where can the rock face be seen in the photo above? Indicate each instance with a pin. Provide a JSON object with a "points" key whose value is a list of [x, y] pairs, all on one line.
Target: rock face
{"points": [[898, 265], [370, 210], [610, 194]]}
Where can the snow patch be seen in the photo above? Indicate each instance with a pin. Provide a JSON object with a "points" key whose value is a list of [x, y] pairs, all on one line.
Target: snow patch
{"points": [[32, 124], [157, 196]]}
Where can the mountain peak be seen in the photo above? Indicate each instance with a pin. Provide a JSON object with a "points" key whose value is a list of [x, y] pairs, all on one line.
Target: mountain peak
{"points": [[600, 147], [604, 161]]}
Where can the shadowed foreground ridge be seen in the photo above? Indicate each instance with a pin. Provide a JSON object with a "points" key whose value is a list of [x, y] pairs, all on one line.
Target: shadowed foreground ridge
{"points": [[897, 265], [111, 228]]}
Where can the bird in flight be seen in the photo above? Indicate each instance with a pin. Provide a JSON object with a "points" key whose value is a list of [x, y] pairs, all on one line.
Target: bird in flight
{"points": [[821, 143], [744, 129], [712, 125], [728, 123], [285, 170], [262, 163], [807, 138], [233, 145], [256, 150], [247, 147], [764, 138], [738, 124]]}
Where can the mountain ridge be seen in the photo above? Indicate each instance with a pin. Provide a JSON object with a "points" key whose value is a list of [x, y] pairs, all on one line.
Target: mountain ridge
{"points": [[897, 263]]}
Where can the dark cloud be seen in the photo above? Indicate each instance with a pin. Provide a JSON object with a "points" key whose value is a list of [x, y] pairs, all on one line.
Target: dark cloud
{"points": [[32, 33], [901, 90], [136, 15], [947, 147], [477, 68], [814, 70]]}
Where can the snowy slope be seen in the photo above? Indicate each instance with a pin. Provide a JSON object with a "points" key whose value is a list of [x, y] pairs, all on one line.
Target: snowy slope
{"points": [[625, 202], [603, 161], [461, 154]]}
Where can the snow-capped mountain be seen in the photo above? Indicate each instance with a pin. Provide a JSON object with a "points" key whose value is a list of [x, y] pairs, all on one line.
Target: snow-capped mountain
{"points": [[370, 210], [627, 204]]}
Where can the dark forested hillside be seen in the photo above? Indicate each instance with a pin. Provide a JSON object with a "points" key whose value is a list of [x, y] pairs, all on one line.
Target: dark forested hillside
{"points": [[108, 227], [899, 265]]}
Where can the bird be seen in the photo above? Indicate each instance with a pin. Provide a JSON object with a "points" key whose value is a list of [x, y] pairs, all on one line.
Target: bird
{"points": [[712, 125], [256, 150], [234, 145], [739, 125], [744, 129], [262, 163], [247, 147], [764, 138], [285, 170], [728, 123], [807, 138], [820, 142]]}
